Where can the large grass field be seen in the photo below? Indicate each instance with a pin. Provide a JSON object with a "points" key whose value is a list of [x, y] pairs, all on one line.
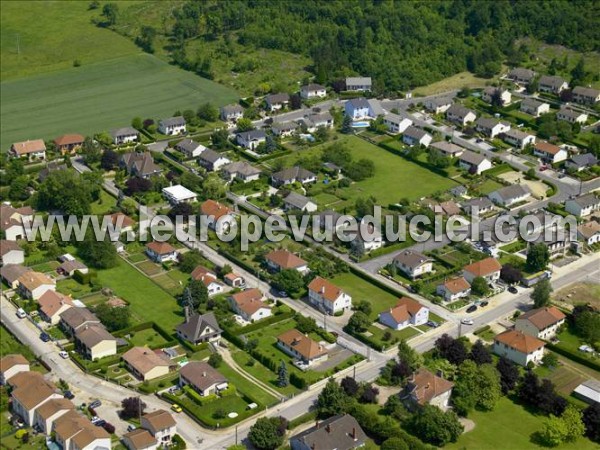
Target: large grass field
{"points": [[100, 96], [509, 426]]}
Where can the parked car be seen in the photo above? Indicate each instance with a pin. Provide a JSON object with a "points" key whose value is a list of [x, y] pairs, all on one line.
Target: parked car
{"points": [[175, 407], [63, 354], [513, 290], [131, 428], [484, 303], [472, 308], [45, 337], [69, 395], [433, 324], [95, 404], [467, 321], [21, 314], [100, 423]]}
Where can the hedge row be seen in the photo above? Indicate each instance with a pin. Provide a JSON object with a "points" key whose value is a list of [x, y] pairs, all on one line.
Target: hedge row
{"points": [[365, 340], [298, 381], [574, 356], [265, 322], [481, 330]]}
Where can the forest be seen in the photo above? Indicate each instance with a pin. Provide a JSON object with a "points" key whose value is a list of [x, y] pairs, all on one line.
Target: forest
{"points": [[401, 44]]}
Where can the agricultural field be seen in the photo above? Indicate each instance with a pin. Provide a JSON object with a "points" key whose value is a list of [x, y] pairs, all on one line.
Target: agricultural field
{"points": [[455, 82], [579, 293]]}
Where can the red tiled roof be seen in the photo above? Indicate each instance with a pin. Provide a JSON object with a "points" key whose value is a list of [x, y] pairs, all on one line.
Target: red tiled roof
{"points": [[285, 259], [484, 267], [213, 208], [325, 288], [457, 285], [519, 341], [160, 248], [69, 139]]}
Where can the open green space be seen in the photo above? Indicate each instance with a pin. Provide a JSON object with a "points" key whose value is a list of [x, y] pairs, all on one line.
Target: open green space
{"points": [[360, 289], [147, 337], [137, 257], [508, 426], [244, 387], [257, 370], [99, 96], [69, 286], [104, 204], [149, 268], [148, 302], [9, 344]]}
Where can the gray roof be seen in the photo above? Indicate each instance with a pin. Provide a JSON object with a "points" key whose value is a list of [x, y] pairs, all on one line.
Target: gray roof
{"points": [[202, 375], [241, 167], [376, 108], [359, 102], [312, 87], [480, 203], [512, 191], [296, 200], [590, 92], [142, 163], [285, 126], [459, 190], [194, 327], [210, 156], [459, 110], [439, 101], [487, 122], [93, 334], [173, 121], [586, 200], [517, 134], [531, 103], [553, 81], [293, 173], [125, 131], [52, 166], [277, 98], [522, 73], [415, 133], [232, 109], [252, 134], [472, 158], [187, 145], [75, 317], [447, 147], [570, 113], [338, 432], [584, 159], [411, 258], [12, 272], [358, 81]]}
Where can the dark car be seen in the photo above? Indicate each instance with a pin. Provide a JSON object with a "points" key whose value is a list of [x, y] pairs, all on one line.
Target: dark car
{"points": [[472, 308], [45, 337], [100, 423], [69, 395], [512, 290], [95, 404], [433, 324], [484, 304]]}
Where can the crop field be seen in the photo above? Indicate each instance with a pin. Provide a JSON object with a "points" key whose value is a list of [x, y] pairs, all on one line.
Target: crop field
{"points": [[100, 96]]}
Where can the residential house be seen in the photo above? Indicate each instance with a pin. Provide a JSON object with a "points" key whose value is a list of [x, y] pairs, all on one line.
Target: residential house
{"points": [[395, 123], [276, 102], [474, 162], [519, 347], [491, 127], [518, 138], [121, 222], [589, 232], [139, 439], [367, 239], [68, 268], [488, 94], [556, 238], [12, 221], [179, 194], [52, 304], [416, 136], [231, 113], [340, 432], [534, 107], [588, 391], [277, 260], [46, 415], [571, 116], [542, 323], [219, 217], [190, 148], [139, 164], [454, 289], [448, 208], [34, 284], [295, 201], [161, 252], [73, 319], [161, 425], [124, 135], [75, 432], [406, 312], [459, 114], [521, 75], [552, 84], [234, 280], [549, 153], [488, 268], [68, 143], [313, 90], [582, 161], [510, 195], [438, 105], [203, 378], [249, 305], [293, 175], [242, 171], [95, 342], [425, 388], [358, 109], [583, 206], [51, 166], [10, 365], [328, 297], [358, 84], [24, 379], [146, 364], [32, 150], [212, 161], [459, 191], [330, 220], [586, 95], [208, 278], [413, 264], [199, 328], [32, 392], [11, 253], [312, 122], [284, 129], [251, 139], [11, 273], [447, 148], [172, 126], [301, 347]]}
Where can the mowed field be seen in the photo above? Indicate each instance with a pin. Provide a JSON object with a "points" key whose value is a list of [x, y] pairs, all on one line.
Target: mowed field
{"points": [[101, 96]]}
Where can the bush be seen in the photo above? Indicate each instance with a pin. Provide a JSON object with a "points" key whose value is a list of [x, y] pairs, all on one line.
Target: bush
{"points": [[110, 428]]}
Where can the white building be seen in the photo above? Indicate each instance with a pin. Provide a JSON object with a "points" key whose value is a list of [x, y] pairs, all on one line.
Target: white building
{"points": [[313, 90], [510, 195], [416, 136], [172, 126], [488, 269], [161, 425], [488, 94], [358, 84], [583, 206], [519, 347], [549, 153], [519, 138], [406, 312], [571, 116], [552, 84], [454, 289], [475, 162], [534, 107], [542, 323], [460, 114], [10, 365], [395, 123], [328, 297], [413, 264], [491, 127], [179, 194]]}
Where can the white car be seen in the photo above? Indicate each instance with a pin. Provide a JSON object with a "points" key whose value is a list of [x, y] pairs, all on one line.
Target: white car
{"points": [[467, 321], [21, 314], [63, 354]]}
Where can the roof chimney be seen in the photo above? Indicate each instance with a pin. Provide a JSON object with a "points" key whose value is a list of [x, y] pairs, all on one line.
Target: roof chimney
{"points": [[354, 433], [317, 424], [203, 374], [187, 313], [328, 428]]}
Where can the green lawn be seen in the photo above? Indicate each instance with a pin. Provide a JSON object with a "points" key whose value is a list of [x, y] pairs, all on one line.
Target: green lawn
{"points": [[509, 426], [148, 302], [137, 257], [104, 204], [9, 344], [99, 96], [244, 387], [147, 337], [360, 289], [489, 186], [254, 368], [69, 286]]}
